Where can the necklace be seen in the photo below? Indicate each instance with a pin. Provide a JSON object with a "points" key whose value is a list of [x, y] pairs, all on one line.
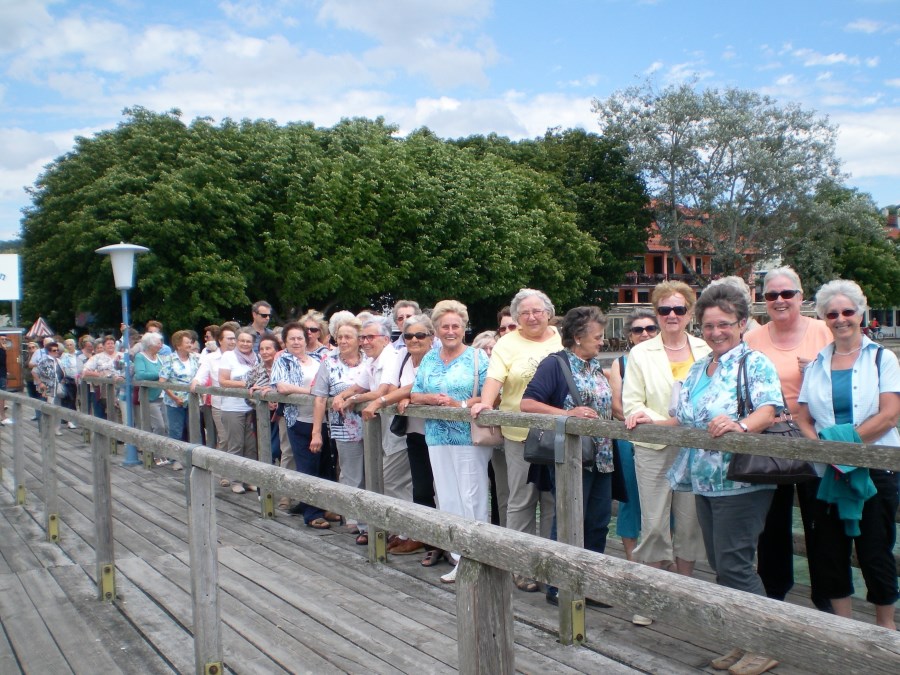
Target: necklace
{"points": [[676, 349], [852, 351]]}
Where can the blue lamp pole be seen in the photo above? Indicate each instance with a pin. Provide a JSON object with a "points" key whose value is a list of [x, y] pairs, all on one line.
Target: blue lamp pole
{"points": [[122, 258]]}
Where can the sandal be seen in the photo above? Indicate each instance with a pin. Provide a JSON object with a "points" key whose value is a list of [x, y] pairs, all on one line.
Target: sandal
{"points": [[363, 539], [753, 664], [526, 584], [319, 524], [333, 517], [433, 557], [224, 482]]}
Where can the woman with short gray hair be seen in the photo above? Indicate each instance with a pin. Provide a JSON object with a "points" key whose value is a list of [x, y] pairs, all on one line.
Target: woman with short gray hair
{"points": [[512, 365], [147, 366]]}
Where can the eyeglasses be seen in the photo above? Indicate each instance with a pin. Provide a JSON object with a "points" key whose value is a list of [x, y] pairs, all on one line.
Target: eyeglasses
{"points": [[722, 325], [509, 326], [533, 312], [368, 338], [265, 316], [637, 330], [772, 296], [312, 329], [679, 310], [846, 313], [417, 336]]}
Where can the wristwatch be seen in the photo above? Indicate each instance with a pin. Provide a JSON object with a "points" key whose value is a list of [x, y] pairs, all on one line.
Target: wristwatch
{"points": [[744, 427], [463, 404]]}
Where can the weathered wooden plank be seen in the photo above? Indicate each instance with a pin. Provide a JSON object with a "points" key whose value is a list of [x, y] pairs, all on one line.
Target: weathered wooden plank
{"points": [[29, 636], [80, 646], [104, 539], [49, 479], [484, 619], [570, 529], [17, 555]]}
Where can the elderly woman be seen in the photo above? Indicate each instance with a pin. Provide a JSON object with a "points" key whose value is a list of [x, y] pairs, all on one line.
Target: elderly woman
{"points": [[548, 393], [791, 341], [68, 359], [102, 364], [640, 325], [851, 392], [485, 341], [237, 413], [180, 367], [654, 366], [316, 328], [418, 334], [147, 366], [512, 365], [731, 513], [337, 372], [453, 376], [293, 373]]}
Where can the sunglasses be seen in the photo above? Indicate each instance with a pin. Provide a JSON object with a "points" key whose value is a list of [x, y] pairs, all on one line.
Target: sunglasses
{"points": [[680, 310], [847, 313], [637, 330], [417, 336], [772, 296], [265, 316], [507, 327], [312, 330], [368, 338], [52, 351]]}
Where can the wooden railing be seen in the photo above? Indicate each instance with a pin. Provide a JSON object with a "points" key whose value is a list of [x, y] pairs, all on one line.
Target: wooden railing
{"points": [[803, 637]]}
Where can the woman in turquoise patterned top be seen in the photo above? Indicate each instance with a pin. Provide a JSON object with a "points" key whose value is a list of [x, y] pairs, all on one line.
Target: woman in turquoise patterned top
{"points": [[731, 514], [447, 377]]}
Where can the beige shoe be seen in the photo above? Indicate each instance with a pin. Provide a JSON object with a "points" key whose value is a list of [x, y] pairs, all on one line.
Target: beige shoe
{"points": [[238, 489], [639, 620], [284, 504], [725, 662], [752, 664]]}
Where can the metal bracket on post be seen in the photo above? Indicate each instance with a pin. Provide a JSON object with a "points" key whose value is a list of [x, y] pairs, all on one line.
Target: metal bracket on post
{"points": [[53, 527], [213, 668], [380, 546], [268, 505], [20, 495], [108, 582], [578, 631]]}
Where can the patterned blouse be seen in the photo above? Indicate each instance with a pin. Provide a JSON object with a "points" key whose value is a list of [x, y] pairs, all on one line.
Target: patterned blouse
{"points": [[333, 377], [455, 379], [289, 369], [703, 398], [175, 370]]}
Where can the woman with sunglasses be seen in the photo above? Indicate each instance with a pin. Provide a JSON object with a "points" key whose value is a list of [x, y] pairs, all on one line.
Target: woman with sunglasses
{"points": [[654, 366], [851, 392], [316, 328], [791, 341], [640, 326]]}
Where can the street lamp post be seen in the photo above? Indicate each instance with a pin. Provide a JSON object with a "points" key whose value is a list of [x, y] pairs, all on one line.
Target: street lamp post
{"points": [[122, 258]]}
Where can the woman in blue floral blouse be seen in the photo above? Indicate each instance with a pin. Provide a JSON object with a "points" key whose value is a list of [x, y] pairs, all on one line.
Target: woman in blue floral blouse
{"points": [[731, 514]]}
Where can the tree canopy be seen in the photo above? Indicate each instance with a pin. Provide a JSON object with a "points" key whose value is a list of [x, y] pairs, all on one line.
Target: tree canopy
{"points": [[305, 216], [730, 170]]}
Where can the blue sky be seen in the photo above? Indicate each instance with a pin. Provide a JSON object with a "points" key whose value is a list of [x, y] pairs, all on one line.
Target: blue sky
{"points": [[459, 67]]}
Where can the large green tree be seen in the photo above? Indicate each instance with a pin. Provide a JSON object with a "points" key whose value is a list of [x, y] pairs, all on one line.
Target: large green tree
{"points": [[233, 212], [728, 170]]}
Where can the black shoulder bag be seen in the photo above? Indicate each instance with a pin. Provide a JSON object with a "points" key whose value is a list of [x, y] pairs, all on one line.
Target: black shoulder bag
{"points": [[762, 469], [400, 422]]}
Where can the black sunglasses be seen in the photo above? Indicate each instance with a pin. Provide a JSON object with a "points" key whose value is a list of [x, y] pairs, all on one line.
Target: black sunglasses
{"points": [[847, 313], [312, 329], [680, 310], [265, 316], [417, 336], [637, 330], [772, 296]]}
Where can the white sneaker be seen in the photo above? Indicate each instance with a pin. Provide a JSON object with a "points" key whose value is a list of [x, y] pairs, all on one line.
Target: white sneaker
{"points": [[59, 432], [450, 577], [7, 421], [72, 425]]}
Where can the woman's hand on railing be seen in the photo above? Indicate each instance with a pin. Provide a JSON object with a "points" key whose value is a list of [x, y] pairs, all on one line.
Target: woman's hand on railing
{"points": [[371, 410], [478, 407], [402, 405], [583, 411], [721, 425], [631, 421]]}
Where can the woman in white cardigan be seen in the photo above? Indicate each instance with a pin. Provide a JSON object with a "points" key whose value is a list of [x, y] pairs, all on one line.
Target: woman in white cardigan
{"points": [[653, 368]]}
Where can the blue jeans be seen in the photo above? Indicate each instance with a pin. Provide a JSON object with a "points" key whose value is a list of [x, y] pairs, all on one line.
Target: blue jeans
{"points": [[306, 461], [177, 418]]}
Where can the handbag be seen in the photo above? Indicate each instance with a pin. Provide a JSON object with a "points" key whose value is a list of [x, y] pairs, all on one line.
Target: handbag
{"points": [[399, 423], [762, 469], [540, 444], [483, 436]]}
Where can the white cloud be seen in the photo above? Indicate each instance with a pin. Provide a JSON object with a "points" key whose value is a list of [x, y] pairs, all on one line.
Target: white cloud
{"points": [[814, 58], [864, 26], [22, 148], [895, 82], [869, 142], [22, 21]]}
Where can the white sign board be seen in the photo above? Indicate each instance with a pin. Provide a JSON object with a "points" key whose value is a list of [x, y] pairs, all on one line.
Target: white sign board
{"points": [[10, 289]]}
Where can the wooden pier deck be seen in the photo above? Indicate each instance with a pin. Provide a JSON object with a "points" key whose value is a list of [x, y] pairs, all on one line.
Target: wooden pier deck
{"points": [[294, 599]]}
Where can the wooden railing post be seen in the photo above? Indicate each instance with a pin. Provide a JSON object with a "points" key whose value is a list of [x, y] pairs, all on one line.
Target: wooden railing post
{"points": [[194, 418], [374, 462], [204, 560], [18, 454], [264, 454], [84, 396], [484, 620], [48, 473], [113, 414], [103, 521], [569, 526], [145, 425]]}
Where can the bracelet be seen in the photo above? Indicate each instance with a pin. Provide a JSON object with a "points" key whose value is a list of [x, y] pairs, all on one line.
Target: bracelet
{"points": [[463, 404], [383, 400]]}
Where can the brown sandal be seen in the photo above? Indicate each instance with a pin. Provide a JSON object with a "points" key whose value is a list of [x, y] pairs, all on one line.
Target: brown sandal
{"points": [[433, 557], [363, 539], [319, 524]]}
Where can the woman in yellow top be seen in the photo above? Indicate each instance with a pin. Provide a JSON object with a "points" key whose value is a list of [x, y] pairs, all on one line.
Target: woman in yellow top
{"points": [[653, 368], [514, 359]]}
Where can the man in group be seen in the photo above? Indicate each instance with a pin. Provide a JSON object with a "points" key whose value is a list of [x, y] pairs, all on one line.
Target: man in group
{"points": [[403, 310], [262, 314]]}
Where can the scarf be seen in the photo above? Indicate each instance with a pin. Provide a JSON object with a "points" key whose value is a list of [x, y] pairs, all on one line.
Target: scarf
{"points": [[248, 360]]}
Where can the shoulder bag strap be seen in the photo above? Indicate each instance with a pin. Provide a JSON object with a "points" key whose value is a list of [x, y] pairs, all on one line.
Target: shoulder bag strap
{"points": [[567, 373], [403, 365], [475, 380], [744, 404]]}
